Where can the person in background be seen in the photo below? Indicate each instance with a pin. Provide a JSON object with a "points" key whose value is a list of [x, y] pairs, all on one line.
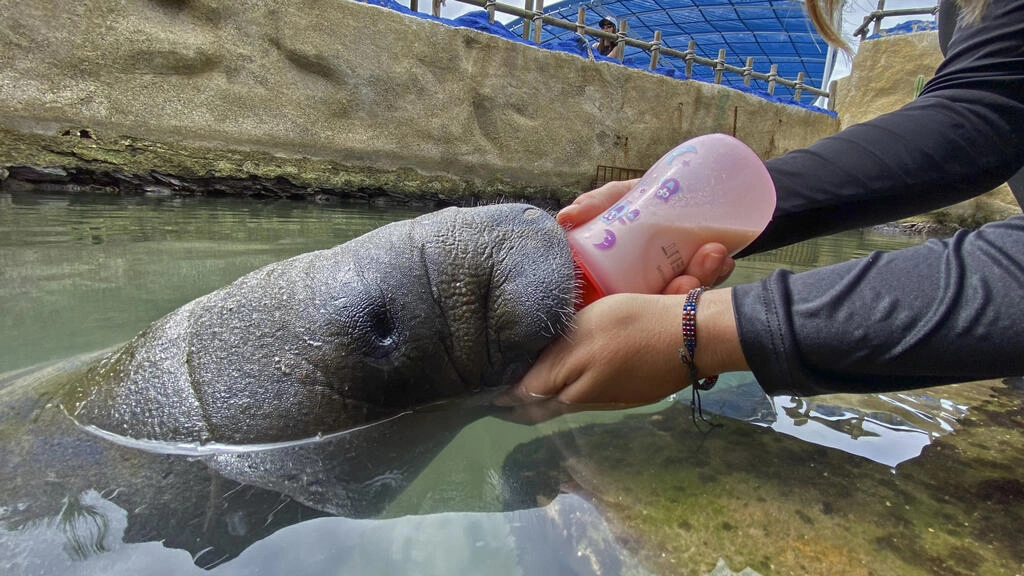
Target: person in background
{"points": [[942, 312], [603, 45]]}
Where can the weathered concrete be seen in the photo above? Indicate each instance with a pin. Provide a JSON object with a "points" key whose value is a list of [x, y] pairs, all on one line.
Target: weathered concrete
{"points": [[883, 75], [883, 78], [341, 97]]}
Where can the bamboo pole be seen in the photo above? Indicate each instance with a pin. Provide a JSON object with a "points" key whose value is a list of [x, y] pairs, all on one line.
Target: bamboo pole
{"points": [[527, 20], [538, 19], [414, 5], [878, 20], [862, 30], [799, 86], [748, 70], [490, 10], [719, 65], [655, 49], [581, 21], [620, 42], [689, 57], [773, 76], [436, 8]]}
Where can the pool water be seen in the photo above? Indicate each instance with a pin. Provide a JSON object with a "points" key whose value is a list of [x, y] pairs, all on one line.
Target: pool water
{"points": [[914, 483]]}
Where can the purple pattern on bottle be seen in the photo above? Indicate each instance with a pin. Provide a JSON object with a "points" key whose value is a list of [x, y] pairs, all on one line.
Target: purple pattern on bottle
{"points": [[607, 242], [669, 187]]}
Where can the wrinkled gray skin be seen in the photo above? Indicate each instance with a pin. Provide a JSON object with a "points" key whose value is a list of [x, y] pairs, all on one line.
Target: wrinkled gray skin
{"points": [[413, 312]]}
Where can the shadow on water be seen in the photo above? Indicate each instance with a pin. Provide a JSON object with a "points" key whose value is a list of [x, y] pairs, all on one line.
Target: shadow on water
{"points": [[922, 483]]}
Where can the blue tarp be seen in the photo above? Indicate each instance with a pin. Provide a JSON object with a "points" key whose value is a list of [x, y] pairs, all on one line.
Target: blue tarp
{"points": [[772, 31]]}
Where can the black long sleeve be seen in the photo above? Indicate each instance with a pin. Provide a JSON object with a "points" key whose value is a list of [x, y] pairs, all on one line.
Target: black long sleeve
{"points": [[942, 312], [962, 137]]}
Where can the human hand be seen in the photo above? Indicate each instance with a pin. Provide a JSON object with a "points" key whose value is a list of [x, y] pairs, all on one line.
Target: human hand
{"points": [[623, 351], [709, 266]]}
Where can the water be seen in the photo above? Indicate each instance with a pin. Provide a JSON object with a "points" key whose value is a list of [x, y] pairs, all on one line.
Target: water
{"points": [[916, 483], [81, 273]]}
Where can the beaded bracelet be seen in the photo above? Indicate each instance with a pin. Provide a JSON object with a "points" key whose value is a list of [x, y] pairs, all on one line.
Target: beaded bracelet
{"points": [[686, 353], [690, 339]]}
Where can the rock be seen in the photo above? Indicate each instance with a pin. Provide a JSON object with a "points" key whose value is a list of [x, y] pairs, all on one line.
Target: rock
{"points": [[38, 175], [722, 569], [884, 74]]}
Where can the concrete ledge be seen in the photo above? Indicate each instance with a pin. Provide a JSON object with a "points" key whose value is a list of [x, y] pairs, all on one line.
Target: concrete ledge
{"points": [[343, 97]]}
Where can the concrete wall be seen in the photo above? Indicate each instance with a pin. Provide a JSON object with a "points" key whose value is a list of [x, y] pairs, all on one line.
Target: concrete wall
{"points": [[341, 96], [884, 74]]}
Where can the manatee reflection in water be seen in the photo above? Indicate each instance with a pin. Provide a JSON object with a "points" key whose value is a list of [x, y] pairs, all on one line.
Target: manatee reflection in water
{"points": [[75, 502]]}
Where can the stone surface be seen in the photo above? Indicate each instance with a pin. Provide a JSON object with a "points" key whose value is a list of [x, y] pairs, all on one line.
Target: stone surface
{"points": [[340, 87], [884, 74], [333, 99]]}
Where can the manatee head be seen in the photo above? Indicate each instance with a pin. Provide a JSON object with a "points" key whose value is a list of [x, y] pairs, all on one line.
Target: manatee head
{"points": [[416, 311]]}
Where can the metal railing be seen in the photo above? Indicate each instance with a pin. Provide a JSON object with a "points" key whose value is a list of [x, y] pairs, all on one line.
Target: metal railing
{"points": [[534, 19]]}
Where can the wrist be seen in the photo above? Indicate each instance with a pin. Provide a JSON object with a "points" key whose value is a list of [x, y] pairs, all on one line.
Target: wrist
{"points": [[718, 349]]}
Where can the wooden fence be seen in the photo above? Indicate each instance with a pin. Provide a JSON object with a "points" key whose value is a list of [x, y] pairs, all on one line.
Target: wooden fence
{"points": [[874, 19], [534, 19]]}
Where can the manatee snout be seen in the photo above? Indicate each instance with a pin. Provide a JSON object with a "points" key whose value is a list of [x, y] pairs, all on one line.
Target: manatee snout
{"points": [[413, 312]]}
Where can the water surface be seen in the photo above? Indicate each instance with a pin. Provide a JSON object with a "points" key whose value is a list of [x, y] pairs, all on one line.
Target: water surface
{"points": [[914, 483]]}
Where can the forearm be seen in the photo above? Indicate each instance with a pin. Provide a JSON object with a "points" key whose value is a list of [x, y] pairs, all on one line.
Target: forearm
{"points": [[938, 313], [962, 137]]}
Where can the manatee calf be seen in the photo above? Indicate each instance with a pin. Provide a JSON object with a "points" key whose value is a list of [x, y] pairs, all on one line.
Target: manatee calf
{"points": [[413, 312]]}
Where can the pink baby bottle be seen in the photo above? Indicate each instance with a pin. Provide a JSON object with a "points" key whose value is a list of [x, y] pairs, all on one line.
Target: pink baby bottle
{"points": [[710, 188]]}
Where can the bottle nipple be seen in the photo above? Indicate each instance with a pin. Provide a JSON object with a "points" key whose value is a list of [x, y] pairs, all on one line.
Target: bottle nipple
{"points": [[589, 290]]}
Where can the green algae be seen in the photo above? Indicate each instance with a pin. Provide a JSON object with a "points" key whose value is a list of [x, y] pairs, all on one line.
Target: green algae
{"points": [[109, 162], [680, 498]]}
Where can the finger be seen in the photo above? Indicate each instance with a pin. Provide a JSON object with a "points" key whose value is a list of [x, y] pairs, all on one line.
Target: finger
{"points": [[710, 266], [541, 381], [590, 204], [518, 395], [682, 285], [708, 262], [727, 270]]}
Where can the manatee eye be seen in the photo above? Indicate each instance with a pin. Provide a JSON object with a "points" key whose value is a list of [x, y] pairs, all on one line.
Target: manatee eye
{"points": [[378, 327], [382, 326]]}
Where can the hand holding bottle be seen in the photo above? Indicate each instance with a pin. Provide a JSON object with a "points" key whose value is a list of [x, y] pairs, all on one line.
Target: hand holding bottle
{"points": [[711, 264], [712, 188], [631, 239]]}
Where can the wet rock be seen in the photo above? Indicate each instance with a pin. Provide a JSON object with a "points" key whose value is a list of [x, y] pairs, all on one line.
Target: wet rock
{"points": [[39, 174]]}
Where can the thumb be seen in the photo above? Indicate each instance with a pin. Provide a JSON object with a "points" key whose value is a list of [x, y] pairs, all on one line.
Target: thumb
{"points": [[590, 204]]}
